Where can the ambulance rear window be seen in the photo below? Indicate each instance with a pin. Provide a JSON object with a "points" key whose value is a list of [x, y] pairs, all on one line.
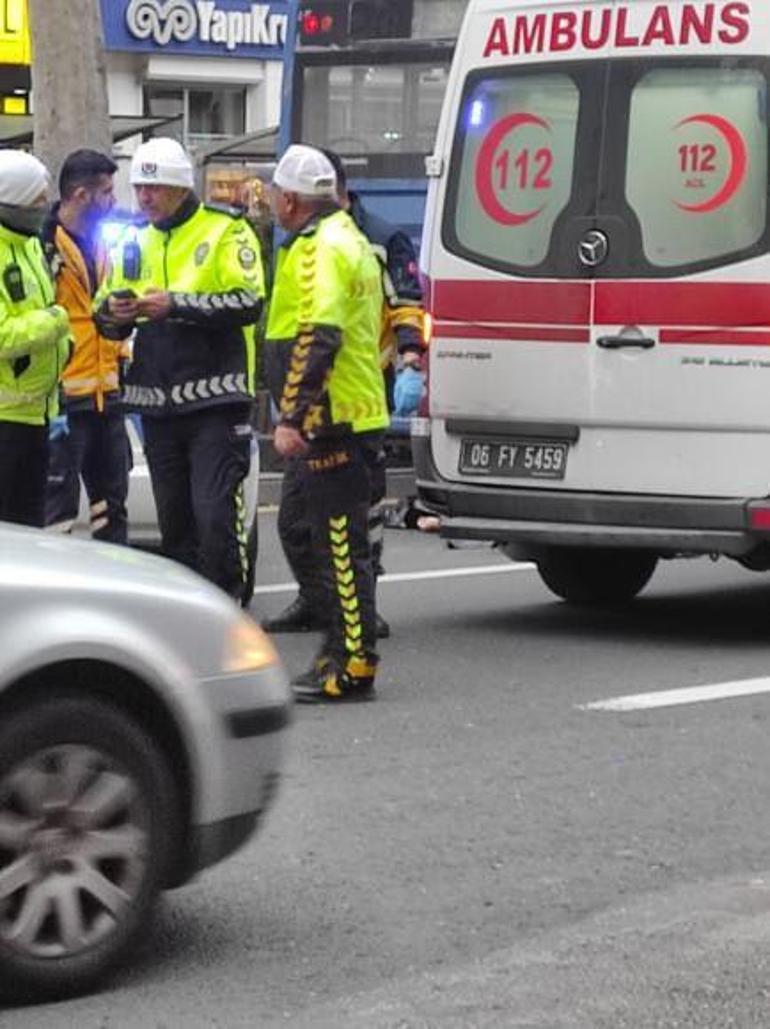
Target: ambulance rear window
{"points": [[696, 169], [516, 165]]}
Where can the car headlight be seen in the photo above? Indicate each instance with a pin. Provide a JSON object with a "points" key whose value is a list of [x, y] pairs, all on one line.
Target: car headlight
{"points": [[247, 648]]}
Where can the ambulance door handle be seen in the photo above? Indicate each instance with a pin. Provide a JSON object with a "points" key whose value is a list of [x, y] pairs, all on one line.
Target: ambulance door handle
{"points": [[617, 342]]}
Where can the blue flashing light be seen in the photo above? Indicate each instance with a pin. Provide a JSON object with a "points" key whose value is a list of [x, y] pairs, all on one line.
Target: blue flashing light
{"points": [[111, 232], [121, 224], [477, 114]]}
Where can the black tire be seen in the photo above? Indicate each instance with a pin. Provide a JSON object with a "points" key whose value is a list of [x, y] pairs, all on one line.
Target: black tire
{"points": [[252, 553], [89, 817], [595, 576]]}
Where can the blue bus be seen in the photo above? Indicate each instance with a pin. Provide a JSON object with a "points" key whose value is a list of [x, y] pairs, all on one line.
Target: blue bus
{"points": [[367, 78]]}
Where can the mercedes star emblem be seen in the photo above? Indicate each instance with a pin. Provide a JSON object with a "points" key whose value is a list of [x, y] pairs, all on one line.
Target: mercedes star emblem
{"points": [[593, 248]]}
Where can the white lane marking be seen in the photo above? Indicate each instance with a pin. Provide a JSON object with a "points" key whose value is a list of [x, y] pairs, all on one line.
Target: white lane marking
{"points": [[440, 573], [686, 695]]}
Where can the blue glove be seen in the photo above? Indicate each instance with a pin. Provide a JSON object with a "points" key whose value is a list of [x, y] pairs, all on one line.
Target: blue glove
{"points": [[407, 392], [58, 427]]}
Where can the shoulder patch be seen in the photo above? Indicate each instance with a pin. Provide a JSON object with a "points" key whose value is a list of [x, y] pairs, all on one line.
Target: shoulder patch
{"points": [[247, 257], [231, 212]]}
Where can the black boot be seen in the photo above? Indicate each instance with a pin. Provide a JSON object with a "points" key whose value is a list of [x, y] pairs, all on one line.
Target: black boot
{"points": [[383, 629], [326, 684], [297, 617]]}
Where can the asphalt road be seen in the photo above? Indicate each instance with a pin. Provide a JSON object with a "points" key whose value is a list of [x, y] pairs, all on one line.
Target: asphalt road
{"points": [[478, 848]]}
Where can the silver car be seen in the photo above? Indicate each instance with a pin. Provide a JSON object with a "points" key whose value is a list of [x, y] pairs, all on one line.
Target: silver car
{"points": [[142, 720]]}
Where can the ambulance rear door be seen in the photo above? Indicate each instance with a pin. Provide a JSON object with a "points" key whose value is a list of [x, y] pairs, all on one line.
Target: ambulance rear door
{"points": [[523, 139], [680, 336]]}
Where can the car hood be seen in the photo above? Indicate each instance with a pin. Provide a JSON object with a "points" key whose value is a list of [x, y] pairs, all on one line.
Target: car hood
{"points": [[32, 557]]}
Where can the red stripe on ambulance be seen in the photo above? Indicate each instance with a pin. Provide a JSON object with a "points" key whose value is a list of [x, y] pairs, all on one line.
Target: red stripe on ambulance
{"points": [[708, 313], [520, 302], [715, 337], [516, 333], [687, 312], [679, 304]]}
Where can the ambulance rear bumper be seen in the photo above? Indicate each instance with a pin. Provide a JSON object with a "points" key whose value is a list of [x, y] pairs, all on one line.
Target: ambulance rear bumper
{"points": [[530, 518]]}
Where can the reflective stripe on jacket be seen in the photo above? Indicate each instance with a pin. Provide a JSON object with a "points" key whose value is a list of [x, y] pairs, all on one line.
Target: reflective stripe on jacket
{"points": [[321, 352], [34, 332]]}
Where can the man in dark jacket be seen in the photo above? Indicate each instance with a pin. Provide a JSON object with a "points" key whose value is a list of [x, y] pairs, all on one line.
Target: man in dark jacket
{"points": [[91, 443], [192, 285]]}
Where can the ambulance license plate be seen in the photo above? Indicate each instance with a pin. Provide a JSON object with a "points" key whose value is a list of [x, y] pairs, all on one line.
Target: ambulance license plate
{"points": [[514, 459]]}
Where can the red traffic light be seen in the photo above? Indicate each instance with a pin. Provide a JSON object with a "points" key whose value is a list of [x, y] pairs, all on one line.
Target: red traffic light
{"points": [[311, 23], [314, 24], [323, 24]]}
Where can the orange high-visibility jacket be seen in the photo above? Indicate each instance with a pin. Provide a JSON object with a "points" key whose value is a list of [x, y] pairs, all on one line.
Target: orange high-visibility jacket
{"points": [[93, 369]]}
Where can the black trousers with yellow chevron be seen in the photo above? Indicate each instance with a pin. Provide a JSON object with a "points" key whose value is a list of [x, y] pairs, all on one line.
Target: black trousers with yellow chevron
{"points": [[197, 463], [333, 485]]}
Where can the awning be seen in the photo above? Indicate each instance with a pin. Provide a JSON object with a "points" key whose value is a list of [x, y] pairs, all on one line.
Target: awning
{"points": [[255, 146], [124, 125], [16, 129]]}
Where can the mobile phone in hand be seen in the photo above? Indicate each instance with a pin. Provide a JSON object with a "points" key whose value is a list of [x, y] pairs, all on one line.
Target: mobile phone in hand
{"points": [[124, 294]]}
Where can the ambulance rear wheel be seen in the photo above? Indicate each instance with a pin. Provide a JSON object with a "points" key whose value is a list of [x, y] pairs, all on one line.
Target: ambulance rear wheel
{"points": [[593, 576]]}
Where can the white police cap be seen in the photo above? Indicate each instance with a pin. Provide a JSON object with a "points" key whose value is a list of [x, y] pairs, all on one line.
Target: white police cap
{"points": [[306, 171], [161, 162]]}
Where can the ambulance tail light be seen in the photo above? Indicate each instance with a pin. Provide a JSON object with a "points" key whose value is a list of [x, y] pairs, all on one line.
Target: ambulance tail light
{"points": [[759, 515]]}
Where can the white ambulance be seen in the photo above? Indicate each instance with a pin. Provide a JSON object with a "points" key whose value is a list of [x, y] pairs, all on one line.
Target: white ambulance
{"points": [[598, 283]]}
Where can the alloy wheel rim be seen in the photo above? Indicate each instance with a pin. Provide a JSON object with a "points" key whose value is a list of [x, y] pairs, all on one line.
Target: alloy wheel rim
{"points": [[74, 834]]}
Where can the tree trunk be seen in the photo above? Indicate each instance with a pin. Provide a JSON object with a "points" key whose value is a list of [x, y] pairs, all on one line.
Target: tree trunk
{"points": [[69, 79]]}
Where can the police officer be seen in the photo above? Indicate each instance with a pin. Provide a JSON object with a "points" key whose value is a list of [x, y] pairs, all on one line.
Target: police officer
{"points": [[94, 443], [322, 368], [401, 329], [192, 285], [34, 340], [401, 337]]}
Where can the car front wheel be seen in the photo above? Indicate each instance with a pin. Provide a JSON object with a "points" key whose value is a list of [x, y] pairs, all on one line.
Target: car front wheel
{"points": [[88, 818]]}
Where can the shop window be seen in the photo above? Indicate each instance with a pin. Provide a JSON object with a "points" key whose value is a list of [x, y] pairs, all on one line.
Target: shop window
{"points": [[202, 115], [216, 114], [166, 103]]}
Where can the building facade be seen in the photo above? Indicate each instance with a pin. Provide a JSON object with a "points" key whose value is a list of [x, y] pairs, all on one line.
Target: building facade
{"points": [[212, 67]]}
